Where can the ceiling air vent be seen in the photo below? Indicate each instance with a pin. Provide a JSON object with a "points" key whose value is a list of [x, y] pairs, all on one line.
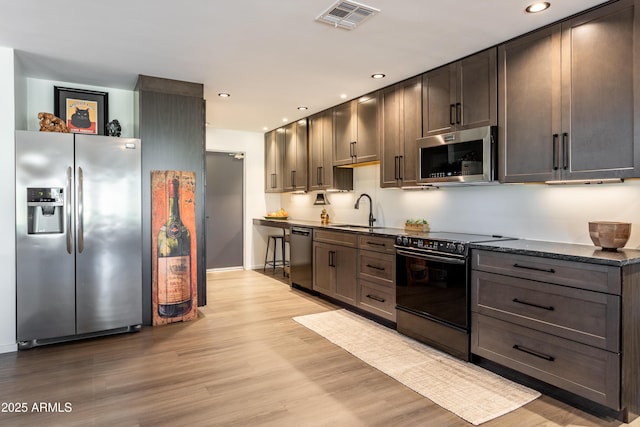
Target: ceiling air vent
{"points": [[347, 14]]}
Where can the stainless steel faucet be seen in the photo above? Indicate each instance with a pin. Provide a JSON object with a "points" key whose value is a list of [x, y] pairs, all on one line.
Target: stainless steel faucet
{"points": [[357, 206]]}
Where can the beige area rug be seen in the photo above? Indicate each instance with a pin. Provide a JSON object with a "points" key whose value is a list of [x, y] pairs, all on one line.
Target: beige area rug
{"points": [[472, 393]]}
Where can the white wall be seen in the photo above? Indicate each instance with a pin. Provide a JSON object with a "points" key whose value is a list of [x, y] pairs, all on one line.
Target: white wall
{"points": [[40, 99], [532, 211], [7, 213]]}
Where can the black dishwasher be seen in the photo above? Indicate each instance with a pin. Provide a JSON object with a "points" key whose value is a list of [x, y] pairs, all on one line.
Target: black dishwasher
{"points": [[301, 241]]}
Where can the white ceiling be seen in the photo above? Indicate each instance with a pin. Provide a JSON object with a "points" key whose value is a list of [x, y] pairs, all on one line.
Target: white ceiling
{"points": [[270, 55]]}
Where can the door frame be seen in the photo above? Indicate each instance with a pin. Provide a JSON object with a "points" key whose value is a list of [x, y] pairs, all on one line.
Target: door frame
{"points": [[244, 208]]}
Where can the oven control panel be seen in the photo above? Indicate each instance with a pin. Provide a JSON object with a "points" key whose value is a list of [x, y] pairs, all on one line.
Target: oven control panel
{"points": [[431, 244]]}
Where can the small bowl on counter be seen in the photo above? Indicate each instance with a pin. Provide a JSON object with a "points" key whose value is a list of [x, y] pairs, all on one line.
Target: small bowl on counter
{"points": [[609, 235]]}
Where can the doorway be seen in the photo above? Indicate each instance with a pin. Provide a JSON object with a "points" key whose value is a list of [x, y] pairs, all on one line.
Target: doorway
{"points": [[224, 210]]}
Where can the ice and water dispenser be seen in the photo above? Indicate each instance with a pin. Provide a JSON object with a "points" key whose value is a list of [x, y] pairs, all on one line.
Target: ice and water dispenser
{"points": [[45, 208]]}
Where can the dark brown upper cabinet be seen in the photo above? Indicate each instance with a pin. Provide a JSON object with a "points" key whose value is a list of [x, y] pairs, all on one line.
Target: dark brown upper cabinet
{"points": [[568, 99], [295, 156], [274, 142], [356, 131], [461, 95], [401, 116], [321, 150]]}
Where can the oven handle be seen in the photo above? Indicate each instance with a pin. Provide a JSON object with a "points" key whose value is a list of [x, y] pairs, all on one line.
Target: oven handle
{"points": [[445, 260]]}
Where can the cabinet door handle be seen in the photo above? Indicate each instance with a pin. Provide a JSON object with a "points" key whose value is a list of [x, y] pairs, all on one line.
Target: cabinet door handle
{"points": [[565, 154], [458, 113], [534, 353], [555, 151], [273, 180], [452, 112], [355, 148], [400, 167], [526, 267], [332, 259], [375, 267], [319, 176], [376, 298], [293, 179], [549, 307]]}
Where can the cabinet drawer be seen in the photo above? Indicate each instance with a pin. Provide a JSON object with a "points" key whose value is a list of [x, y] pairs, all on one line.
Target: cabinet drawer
{"points": [[376, 299], [581, 369], [589, 317], [378, 244], [595, 277], [377, 267], [336, 237]]}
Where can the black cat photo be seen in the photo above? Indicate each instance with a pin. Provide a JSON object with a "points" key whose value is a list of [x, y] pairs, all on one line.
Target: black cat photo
{"points": [[80, 118]]}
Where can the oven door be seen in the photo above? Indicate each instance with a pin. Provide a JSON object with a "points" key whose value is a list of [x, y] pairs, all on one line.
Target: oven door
{"points": [[434, 286]]}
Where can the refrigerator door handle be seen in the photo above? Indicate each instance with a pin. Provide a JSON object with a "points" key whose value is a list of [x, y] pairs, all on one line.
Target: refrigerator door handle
{"points": [[80, 213], [68, 208]]}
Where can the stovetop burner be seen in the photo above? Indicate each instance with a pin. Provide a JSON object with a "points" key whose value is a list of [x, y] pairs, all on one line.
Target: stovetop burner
{"points": [[444, 242]]}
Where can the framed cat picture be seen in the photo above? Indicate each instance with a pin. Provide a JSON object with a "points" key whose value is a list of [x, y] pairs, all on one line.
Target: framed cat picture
{"points": [[83, 111]]}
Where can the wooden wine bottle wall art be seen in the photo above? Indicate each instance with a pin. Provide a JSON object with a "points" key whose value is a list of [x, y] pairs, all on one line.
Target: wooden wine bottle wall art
{"points": [[173, 231]]}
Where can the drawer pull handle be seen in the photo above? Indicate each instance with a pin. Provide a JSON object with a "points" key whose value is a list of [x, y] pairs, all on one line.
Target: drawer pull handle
{"points": [[526, 267], [534, 353], [549, 307], [376, 298], [376, 244], [375, 267]]}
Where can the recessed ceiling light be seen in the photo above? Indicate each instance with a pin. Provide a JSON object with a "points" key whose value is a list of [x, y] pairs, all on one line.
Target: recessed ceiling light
{"points": [[224, 95], [377, 76], [285, 119], [538, 7], [303, 108], [343, 96]]}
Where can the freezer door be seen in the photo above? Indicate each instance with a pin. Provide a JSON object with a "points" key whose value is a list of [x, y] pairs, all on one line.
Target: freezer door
{"points": [[108, 237], [45, 288]]}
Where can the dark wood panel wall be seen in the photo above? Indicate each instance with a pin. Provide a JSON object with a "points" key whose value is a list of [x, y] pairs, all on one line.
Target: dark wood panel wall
{"points": [[170, 121]]}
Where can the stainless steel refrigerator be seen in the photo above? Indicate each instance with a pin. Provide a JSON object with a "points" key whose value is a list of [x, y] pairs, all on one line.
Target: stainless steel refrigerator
{"points": [[78, 236]]}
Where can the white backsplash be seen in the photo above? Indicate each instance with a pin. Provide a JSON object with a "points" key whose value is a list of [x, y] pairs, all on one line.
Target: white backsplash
{"points": [[533, 211]]}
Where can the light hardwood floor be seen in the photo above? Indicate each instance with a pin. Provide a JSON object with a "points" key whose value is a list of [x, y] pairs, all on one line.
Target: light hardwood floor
{"points": [[243, 362]]}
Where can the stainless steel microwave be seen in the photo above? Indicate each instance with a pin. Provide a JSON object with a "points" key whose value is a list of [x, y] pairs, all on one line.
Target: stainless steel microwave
{"points": [[466, 156]]}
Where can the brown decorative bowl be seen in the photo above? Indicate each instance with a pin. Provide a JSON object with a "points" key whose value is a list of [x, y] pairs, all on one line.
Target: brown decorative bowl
{"points": [[609, 235]]}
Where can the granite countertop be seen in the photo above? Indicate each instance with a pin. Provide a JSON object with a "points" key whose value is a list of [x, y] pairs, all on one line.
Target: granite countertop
{"points": [[288, 223], [554, 250], [564, 251]]}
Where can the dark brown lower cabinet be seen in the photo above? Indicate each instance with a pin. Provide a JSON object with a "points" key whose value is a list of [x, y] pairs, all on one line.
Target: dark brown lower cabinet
{"points": [[377, 276], [571, 324], [356, 269], [334, 265]]}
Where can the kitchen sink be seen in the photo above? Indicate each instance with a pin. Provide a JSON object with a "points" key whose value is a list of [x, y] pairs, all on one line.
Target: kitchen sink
{"points": [[355, 227]]}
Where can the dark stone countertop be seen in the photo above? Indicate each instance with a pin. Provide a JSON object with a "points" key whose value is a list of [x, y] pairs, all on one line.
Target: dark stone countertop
{"points": [[288, 223], [554, 250], [564, 251]]}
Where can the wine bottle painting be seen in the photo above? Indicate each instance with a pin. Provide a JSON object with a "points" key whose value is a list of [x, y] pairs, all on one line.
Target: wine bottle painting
{"points": [[174, 249]]}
